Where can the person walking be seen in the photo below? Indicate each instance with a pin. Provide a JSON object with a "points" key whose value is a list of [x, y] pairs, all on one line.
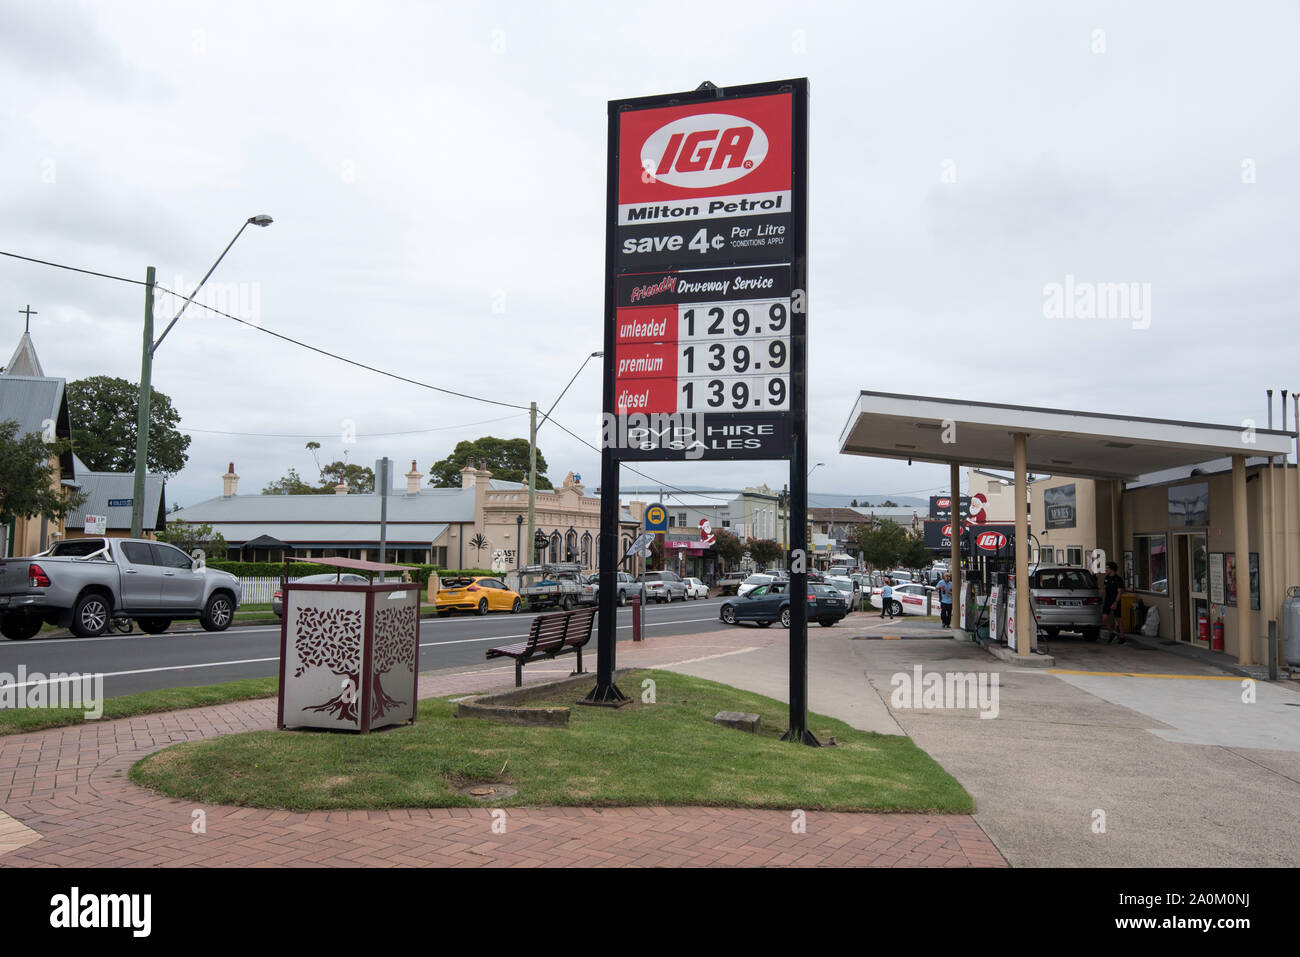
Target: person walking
{"points": [[887, 599], [945, 600], [1114, 587]]}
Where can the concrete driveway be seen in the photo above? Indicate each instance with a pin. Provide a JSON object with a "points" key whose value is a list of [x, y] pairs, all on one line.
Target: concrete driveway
{"points": [[1120, 756]]}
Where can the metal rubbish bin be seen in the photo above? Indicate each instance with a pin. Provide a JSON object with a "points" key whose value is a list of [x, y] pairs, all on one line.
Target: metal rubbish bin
{"points": [[1291, 626], [349, 654]]}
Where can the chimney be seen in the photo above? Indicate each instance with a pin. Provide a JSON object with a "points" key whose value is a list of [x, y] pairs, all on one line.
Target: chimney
{"points": [[468, 474], [341, 488], [230, 482], [413, 480]]}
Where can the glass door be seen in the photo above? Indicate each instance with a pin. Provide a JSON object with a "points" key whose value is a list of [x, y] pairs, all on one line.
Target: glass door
{"points": [[1194, 568]]}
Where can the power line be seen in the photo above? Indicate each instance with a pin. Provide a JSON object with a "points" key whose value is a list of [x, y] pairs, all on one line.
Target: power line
{"points": [[360, 435], [88, 272]]}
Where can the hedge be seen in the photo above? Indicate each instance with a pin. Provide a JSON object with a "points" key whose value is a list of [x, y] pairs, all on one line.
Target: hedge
{"points": [[419, 573]]}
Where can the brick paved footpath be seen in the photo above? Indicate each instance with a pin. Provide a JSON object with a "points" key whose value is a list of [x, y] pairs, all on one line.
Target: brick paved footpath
{"points": [[65, 800]]}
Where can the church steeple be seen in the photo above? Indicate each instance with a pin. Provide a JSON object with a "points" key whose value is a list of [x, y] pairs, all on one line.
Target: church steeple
{"points": [[24, 361]]}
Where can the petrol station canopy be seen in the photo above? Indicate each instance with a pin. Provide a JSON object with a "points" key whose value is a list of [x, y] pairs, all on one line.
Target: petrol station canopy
{"points": [[1059, 442]]}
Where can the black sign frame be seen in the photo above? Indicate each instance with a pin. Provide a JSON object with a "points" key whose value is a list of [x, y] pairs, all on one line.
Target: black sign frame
{"points": [[791, 446]]}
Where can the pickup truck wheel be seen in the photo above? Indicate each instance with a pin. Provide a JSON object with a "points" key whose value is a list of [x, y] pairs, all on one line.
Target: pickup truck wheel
{"points": [[482, 606], [90, 616], [20, 627], [218, 613], [153, 626], [567, 604]]}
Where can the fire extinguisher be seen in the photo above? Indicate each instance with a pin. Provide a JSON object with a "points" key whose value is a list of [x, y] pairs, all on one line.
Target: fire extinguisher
{"points": [[1217, 643], [1203, 626]]}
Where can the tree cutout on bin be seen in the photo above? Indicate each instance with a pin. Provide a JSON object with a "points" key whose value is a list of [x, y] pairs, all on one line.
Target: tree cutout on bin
{"points": [[393, 646], [331, 639]]}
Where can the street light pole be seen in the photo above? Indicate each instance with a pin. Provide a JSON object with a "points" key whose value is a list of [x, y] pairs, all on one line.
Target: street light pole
{"points": [[146, 373]]}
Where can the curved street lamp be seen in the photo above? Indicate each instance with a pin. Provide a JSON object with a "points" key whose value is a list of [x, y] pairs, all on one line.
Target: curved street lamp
{"points": [[146, 372]]}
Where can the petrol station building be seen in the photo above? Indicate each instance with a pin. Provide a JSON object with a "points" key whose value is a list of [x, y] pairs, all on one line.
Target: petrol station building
{"points": [[1175, 503]]}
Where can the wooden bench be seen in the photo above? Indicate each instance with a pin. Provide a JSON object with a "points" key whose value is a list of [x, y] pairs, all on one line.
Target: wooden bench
{"points": [[550, 635]]}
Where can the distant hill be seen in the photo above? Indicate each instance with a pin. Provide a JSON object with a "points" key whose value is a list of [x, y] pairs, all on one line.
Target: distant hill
{"points": [[827, 499]]}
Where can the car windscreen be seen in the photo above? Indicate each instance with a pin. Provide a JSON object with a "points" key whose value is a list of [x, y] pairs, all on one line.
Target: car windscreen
{"points": [[1065, 578]]}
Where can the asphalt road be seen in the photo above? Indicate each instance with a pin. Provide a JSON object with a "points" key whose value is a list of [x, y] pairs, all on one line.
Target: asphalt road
{"points": [[182, 657]]}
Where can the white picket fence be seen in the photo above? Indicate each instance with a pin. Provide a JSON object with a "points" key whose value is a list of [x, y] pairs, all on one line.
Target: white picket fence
{"points": [[257, 590]]}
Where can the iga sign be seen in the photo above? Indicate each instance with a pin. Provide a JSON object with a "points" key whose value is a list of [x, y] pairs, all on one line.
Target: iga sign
{"points": [[705, 290], [990, 541]]}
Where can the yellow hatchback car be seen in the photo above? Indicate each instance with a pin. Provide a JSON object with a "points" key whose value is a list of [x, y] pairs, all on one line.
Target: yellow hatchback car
{"points": [[479, 595]]}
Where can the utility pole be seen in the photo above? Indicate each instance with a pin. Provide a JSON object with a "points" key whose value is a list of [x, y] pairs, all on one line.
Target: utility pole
{"points": [[384, 482], [532, 481], [142, 421]]}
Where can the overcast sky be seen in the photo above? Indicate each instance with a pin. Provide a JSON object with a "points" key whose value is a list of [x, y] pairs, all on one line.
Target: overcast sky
{"points": [[436, 174]]}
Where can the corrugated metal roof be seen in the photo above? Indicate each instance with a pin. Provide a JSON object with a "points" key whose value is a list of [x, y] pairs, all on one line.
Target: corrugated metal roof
{"points": [[428, 505], [100, 487], [330, 533], [30, 400]]}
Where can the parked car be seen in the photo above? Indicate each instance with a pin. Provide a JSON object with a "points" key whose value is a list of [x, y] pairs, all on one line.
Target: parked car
{"points": [[846, 586], [478, 594], [770, 603], [729, 584], [908, 599], [662, 586], [628, 588], [696, 588], [85, 583], [1066, 599], [347, 578], [752, 582]]}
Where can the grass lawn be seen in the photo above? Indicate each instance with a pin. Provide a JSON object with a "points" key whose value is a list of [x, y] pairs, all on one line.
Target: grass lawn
{"points": [[21, 720], [669, 753]]}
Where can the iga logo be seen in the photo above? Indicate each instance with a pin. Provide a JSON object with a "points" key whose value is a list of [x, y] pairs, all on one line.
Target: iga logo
{"points": [[708, 149], [990, 541]]}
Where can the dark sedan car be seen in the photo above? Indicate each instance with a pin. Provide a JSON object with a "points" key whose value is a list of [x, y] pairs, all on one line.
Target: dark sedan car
{"points": [[770, 603]]}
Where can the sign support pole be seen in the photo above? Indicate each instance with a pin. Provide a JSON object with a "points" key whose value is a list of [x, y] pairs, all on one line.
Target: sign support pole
{"points": [[607, 693]]}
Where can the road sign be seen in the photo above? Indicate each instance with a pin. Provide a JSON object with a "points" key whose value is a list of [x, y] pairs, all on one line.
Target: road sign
{"points": [[656, 519], [121, 502], [708, 316]]}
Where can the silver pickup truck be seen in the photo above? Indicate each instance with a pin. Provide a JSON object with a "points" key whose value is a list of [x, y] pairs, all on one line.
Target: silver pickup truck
{"points": [[84, 583]]}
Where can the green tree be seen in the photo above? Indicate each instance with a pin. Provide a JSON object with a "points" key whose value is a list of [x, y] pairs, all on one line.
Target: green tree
{"points": [[764, 551], [914, 554], [729, 548], [506, 458], [29, 479], [359, 478], [188, 536], [854, 503], [290, 484], [881, 545], [105, 413]]}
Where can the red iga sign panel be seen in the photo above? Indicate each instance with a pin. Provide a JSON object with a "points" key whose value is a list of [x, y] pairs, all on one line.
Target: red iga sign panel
{"points": [[705, 183], [990, 541]]}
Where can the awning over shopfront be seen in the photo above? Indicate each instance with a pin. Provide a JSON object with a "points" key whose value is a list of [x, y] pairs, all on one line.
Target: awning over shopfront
{"points": [[1056, 442]]}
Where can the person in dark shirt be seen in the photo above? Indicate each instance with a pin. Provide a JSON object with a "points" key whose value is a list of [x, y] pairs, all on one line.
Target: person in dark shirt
{"points": [[1114, 587]]}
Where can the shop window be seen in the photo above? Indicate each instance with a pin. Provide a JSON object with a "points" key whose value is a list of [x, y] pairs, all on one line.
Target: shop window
{"points": [[1152, 563]]}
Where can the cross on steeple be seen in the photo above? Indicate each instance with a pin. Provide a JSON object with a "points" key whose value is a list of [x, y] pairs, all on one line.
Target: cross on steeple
{"points": [[28, 312]]}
